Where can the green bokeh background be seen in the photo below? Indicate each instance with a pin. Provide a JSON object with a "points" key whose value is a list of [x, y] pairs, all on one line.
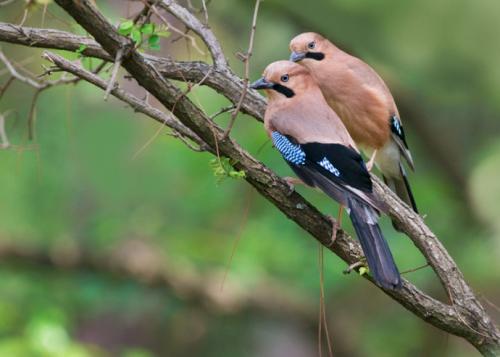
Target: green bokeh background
{"points": [[84, 185]]}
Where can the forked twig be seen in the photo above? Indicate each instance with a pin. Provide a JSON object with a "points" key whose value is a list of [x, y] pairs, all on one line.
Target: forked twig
{"points": [[116, 68], [4, 140]]}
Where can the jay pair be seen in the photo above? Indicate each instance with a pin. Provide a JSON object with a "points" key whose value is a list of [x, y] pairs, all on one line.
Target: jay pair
{"points": [[319, 143]]}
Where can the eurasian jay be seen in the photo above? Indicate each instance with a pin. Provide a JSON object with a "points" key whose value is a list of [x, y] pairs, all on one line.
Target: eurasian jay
{"points": [[365, 105], [317, 146]]}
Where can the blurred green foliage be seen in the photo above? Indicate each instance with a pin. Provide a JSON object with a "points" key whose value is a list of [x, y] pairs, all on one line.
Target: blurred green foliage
{"points": [[85, 182]]}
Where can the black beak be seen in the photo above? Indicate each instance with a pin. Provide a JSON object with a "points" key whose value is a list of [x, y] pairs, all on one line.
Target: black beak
{"points": [[297, 56], [261, 83]]}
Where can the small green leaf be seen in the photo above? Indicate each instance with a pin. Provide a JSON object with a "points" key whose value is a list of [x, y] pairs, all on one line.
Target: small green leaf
{"points": [[362, 271], [126, 27], [223, 169], [154, 42], [237, 174], [136, 35], [148, 29], [81, 49], [163, 33]]}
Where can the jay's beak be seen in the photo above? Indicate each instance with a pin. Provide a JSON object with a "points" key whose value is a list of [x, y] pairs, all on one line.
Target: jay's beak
{"points": [[297, 56], [261, 83]]}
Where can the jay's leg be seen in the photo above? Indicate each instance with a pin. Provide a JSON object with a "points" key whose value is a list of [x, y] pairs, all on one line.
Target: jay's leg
{"points": [[337, 224], [292, 181], [369, 164]]}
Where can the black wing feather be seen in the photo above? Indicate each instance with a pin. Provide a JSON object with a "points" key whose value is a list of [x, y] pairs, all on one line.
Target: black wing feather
{"points": [[349, 163], [398, 135]]}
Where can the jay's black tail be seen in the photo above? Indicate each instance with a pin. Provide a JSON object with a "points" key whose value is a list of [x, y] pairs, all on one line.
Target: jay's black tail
{"points": [[380, 261], [401, 186]]}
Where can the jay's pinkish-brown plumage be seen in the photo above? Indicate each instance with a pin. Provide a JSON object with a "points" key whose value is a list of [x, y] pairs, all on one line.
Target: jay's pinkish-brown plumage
{"points": [[363, 102], [317, 146]]}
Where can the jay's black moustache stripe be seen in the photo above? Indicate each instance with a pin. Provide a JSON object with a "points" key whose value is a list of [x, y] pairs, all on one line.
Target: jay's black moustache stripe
{"points": [[287, 92], [318, 56]]}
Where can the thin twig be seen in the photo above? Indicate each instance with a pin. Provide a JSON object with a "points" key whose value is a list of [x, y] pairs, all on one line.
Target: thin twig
{"points": [[25, 16], [186, 141], [192, 22], [205, 11], [4, 140], [222, 111], [415, 269], [6, 2], [32, 115], [116, 67], [323, 320], [246, 60], [485, 299], [44, 12], [6, 85], [136, 103], [175, 29], [16, 74], [236, 241]]}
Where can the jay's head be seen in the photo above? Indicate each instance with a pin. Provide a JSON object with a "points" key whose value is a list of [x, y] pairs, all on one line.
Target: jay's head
{"points": [[284, 80], [308, 48]]}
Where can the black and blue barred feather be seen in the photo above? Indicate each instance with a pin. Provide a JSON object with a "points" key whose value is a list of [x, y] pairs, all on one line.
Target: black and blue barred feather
{"points": [[291, 152]]}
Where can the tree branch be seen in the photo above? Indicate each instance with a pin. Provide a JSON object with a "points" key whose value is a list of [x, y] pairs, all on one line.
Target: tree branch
{"points": [[139, 262], [223, 81], [192, 23]]}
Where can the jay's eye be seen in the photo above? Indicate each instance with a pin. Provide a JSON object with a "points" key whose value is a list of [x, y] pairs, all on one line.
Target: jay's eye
{"points": [[311, 45], [285, 78]]}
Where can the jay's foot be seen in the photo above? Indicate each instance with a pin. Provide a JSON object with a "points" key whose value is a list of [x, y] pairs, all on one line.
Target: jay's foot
{"points": [[335, 229], [369, 164], [353, 266], [291, 182]]}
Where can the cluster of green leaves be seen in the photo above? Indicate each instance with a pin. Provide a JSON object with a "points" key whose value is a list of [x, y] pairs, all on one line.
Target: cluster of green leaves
{"points": [[147, 32], [223, 168]]}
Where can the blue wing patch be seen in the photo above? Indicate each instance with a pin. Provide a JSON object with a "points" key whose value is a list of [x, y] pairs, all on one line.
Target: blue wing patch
{"points": [[326, 164], [291, 152], [397, 129]]}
